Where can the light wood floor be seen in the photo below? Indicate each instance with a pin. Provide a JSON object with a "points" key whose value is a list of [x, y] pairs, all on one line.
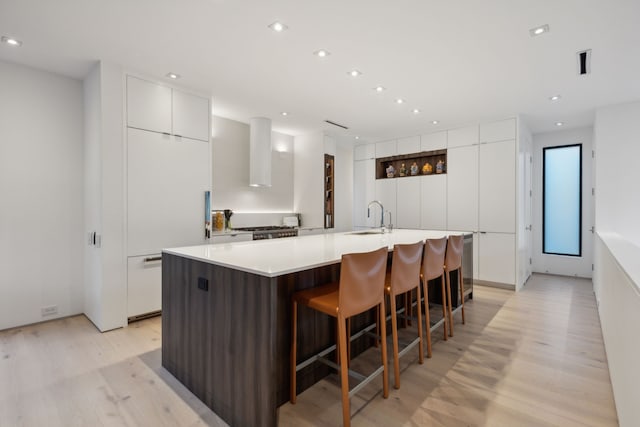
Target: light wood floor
{"points": [[532, 358]]}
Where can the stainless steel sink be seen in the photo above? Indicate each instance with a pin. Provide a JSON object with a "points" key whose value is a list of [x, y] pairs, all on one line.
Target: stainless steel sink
{"points": [[362, 233]]}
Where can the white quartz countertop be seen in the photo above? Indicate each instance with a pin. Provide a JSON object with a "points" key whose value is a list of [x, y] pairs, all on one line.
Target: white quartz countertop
{"points": [[276, 257]]}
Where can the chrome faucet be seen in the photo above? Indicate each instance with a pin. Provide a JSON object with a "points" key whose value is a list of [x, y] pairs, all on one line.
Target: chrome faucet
{"points": [[376, 202]]}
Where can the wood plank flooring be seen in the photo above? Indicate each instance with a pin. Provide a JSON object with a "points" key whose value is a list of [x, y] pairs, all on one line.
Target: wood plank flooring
{"points": [[532, 358]]}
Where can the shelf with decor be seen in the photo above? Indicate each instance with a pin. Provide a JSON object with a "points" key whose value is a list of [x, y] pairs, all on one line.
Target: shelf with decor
{"points": [[328, 191], [415, 164]]}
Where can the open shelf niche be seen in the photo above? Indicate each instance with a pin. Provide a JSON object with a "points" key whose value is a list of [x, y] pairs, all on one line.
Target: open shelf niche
{"points": [[425, 157], [328, 191]]}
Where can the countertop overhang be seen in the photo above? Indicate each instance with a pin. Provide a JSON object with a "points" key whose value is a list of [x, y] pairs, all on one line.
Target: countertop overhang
{"points": [[276, 257]]}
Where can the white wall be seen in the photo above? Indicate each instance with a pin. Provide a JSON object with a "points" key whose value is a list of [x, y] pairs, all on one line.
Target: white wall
{"points": [[105, 287], [617, 170], [41, 236], [230, 186], [565, 265]]}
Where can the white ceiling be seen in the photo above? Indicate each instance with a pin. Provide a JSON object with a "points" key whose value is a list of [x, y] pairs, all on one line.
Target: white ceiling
{"points": [[457, 61]]}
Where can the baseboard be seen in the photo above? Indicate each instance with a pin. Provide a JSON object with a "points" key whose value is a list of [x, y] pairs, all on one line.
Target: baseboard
{"points": [[508, 286]]}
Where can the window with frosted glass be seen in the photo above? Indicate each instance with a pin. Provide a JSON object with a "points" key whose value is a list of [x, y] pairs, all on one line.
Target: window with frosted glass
{"points": [[562, 200]]}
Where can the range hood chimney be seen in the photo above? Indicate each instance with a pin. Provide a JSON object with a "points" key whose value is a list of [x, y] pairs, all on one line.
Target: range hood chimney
{"points": [[260, 152]]}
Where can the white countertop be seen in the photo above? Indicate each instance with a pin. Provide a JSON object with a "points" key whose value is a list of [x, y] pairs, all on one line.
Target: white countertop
{"points": [[229, 232], [276, 257]]}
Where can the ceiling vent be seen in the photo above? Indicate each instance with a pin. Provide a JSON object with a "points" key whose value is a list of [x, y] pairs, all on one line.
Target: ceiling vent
{"points": [[336, 124], [260, 152], [584, 62]]}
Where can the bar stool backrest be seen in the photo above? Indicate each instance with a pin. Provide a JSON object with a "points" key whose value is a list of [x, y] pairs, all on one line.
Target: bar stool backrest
{"points": [[361, 281], [453, 258], [433, 260], [405, 267]]}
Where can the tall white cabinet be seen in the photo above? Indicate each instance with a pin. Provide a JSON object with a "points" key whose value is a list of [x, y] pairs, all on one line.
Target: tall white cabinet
{"points": [[168, 171], [478, 193]]}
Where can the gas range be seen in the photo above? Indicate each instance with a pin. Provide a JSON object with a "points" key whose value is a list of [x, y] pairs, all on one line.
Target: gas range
{"points": [[271, 231]]}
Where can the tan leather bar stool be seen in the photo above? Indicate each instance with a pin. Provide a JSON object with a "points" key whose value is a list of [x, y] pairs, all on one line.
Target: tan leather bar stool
{"points": [[433, 268], [361, 287], [453, 262], [404, 277]]}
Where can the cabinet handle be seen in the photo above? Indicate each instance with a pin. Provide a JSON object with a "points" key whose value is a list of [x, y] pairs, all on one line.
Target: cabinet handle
{"points": [[153, 258], [166, 133], [483, 232], [178, 136]]}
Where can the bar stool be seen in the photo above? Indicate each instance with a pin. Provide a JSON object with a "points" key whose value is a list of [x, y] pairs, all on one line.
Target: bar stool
{"points": [[361, 287], [404, 277], [453, 262], [432, 268]]}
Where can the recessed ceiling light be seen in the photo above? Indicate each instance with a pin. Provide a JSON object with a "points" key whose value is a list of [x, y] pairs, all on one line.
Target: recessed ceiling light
{"points": [[554, 97], [278, 27], [559, 123], [379, 88], [173, 76], [539, 30], [399, 101], [416, 111], [434, 122], [284, 113], [11, 41], [322, 53], [355, 73], [357, 137]]}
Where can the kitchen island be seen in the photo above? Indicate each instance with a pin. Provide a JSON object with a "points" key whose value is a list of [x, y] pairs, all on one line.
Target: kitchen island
{"points": [[226, 316]]}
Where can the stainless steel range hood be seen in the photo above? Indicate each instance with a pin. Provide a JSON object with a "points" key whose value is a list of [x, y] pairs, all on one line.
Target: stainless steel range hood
{"points": [[260, 152]]}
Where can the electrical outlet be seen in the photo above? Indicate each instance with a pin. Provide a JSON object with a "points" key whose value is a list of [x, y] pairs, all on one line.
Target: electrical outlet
{"points": [[50, 310], [203, 284]]}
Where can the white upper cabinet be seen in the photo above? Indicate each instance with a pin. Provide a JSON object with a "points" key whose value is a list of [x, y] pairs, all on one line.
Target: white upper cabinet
{"points": [[408, 203], [433, 198], [148, 105], [497, 187], [364, 152], [386, 149], [409, 145], [498, 131], [190, 116], [433, 141], [462, 188], [463, 136], [158, 108]]}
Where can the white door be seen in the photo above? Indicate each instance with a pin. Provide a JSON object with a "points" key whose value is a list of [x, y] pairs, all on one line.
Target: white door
{"points": [[462, 188], [385, 194], [364, 172], [167, 179], [408, 203]]}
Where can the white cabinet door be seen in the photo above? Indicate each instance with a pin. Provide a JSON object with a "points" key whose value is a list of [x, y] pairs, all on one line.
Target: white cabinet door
{"points": [[433, 198], [408, 202], [385, 194], [462, 136], [386, 149], [148, 105], [433, 141], [498, 131], [364, 152], [497, 187], [166, 184], [312, 231], [363, 191], [190, 116], [144, 284], [230, 238], [497, 258], [462, 188], [408, 145]]}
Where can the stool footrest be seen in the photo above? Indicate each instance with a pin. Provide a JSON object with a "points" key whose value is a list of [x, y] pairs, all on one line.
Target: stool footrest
{"points": [[407, 347]]}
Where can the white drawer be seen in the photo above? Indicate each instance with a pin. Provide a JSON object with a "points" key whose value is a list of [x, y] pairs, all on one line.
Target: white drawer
{"points": [[144, 284]]}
